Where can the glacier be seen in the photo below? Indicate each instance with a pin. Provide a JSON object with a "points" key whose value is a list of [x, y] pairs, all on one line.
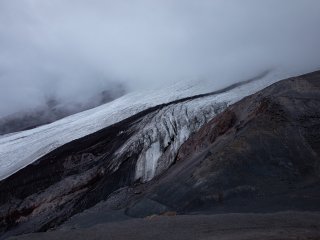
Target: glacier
{"points": [[168, 128]]}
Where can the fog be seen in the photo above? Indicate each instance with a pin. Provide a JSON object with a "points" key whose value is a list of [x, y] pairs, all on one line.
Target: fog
{"points": [[73, 49]]}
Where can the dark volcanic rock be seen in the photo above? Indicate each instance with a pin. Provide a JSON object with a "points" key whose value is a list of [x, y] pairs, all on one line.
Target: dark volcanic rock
{"points": [[66, 181], [261, 154], [284, 226]]}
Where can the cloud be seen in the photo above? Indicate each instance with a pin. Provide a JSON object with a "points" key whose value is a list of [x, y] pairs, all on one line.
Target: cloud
{"points": [[71, 49]]}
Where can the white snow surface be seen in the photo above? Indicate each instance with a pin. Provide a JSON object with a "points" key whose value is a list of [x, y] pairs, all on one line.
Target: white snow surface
{"points": [[23, 148]]}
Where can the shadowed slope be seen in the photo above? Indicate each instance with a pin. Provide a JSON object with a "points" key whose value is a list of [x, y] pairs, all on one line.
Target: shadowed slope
{"points": [[261, 154]]}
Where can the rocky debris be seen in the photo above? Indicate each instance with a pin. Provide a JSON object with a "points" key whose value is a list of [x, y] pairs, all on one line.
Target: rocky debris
{"points": [[21, 149], [284, 225]]}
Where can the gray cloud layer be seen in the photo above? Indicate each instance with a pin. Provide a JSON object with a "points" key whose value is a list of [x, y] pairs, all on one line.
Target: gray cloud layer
{"points": [[72, 49]]}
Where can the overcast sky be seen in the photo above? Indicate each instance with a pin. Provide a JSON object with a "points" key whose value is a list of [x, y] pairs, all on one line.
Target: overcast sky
{"points": [[72, 49]]}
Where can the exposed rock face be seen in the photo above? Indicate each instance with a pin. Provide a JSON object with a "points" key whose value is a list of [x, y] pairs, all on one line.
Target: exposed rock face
{"points": [[261, 154]]}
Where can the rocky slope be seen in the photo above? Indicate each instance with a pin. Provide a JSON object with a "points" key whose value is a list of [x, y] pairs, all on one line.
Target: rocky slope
{"points": [[260, 154], [284, 226], [85, 171]]}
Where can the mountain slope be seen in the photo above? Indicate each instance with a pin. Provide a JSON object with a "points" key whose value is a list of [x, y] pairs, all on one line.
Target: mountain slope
{"points": [[261, 154], [85, 171], [173, 157], [21, 149]]}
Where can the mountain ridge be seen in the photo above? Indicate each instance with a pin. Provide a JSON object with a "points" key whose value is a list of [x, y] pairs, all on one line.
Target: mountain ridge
{"points": [[106, 166]]}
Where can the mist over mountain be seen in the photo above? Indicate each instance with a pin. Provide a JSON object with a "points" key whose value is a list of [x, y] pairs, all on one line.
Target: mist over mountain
{"points": [[53, 109], [159, 119], [70, 50]]}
